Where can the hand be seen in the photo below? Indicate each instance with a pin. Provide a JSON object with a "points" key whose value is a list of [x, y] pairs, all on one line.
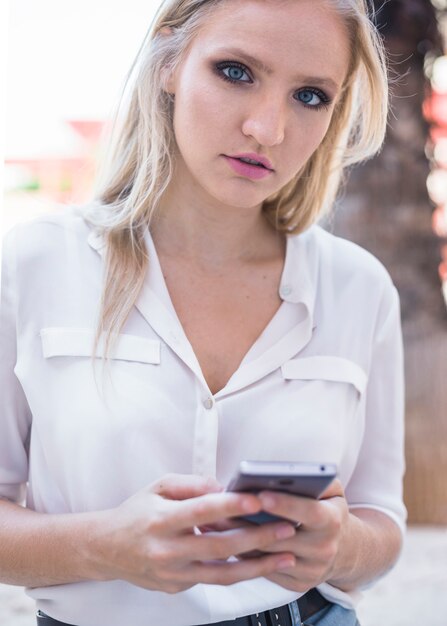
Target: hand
{"points": [[317, 542], [152, 539]]}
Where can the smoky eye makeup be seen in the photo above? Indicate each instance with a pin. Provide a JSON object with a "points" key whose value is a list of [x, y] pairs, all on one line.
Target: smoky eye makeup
{"points": [[313, 98], [235, 72]]}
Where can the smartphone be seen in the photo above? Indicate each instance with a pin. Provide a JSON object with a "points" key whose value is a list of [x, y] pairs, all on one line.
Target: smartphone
{"points": [[301, 479]]}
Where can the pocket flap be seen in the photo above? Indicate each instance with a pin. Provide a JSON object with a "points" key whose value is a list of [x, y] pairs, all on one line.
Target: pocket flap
{"points": [[79, 342], [330, 368]]}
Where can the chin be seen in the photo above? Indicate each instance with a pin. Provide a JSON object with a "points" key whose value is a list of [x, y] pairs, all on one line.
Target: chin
{"points": [[242, 200], [242, 192]]}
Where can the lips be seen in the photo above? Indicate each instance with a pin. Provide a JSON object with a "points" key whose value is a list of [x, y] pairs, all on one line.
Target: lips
{"points": [[248, 170], [256, 164], [260, 160]]}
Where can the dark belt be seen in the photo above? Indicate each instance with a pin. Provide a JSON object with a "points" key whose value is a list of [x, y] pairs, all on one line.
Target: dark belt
{"points": [[294, 614]]}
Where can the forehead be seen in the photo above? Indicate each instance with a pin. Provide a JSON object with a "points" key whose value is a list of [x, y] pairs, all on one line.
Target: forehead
{"points": [[292, 36]]}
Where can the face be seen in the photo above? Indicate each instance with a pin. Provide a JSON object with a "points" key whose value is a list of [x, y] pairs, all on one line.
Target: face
{"points": [[278, 104]]}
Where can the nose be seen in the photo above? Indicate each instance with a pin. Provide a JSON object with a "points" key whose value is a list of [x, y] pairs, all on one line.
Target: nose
{"points": [[266, 121]]}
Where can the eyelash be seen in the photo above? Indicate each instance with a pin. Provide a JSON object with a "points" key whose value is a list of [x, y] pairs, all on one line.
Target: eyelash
{"points": [[325, 99]]}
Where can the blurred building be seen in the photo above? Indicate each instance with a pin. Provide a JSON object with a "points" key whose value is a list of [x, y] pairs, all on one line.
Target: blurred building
{"points": [[45, 169]]}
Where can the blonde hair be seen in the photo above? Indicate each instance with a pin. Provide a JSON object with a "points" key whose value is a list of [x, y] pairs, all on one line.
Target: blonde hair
{"points": [[140, 166]]}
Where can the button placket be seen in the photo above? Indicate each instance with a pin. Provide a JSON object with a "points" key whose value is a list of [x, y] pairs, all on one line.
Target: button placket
{"points": [[206, 433]]}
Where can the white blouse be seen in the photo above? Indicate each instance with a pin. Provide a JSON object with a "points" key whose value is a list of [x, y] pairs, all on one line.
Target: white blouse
{"points": [[323, 382]]}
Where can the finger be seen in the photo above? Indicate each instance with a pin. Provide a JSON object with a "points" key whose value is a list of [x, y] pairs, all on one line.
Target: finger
{"points": [[212, 508], [302, 577], [184, 486], [232, 542], [333, 490], [223, 573], [253, 554], [288, 581], [307, 546], [306, 511], [312, 513]]}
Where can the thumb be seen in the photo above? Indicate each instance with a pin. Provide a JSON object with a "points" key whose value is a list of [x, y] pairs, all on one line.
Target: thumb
{"points": [[184, 486], [333, 490]]}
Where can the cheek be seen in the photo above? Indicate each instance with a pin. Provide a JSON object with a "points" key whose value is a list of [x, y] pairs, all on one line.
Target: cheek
{"points": [[199, 115], [309, 135]]}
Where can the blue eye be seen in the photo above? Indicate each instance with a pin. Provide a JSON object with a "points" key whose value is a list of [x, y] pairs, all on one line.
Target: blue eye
{"points": [[313, 98], [235, 72], [310, 97]]}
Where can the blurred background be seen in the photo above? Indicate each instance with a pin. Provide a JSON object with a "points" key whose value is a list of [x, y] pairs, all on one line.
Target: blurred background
{"points": [[67, 62]]}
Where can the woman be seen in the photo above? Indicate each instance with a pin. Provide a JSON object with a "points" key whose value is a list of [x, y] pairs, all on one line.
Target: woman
{"points": [[234, 328]]}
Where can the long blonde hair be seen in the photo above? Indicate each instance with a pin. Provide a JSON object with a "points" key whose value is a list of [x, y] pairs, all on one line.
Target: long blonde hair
{"points": [[139, 166]]}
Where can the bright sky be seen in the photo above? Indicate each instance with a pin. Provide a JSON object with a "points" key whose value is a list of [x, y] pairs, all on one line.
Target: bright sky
{"points": [[67, 59]]}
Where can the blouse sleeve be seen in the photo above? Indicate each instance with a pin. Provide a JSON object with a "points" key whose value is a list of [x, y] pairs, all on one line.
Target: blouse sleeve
{"points": [[377, 480], [15, 418]]}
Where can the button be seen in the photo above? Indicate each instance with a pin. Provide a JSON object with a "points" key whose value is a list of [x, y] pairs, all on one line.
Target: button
{"points": [[208, 403], [285, 290]]}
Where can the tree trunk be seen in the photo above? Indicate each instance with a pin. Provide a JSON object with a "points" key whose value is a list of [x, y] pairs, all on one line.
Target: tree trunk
{"points": [[386, 210]]}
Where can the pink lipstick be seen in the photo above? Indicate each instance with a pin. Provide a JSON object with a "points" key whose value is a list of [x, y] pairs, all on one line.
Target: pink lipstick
{"points": [[260, 169]]}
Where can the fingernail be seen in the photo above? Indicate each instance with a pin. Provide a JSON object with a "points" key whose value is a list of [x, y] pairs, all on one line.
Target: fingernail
{"points": [[285, 531], [268, 501], [285, 563]]}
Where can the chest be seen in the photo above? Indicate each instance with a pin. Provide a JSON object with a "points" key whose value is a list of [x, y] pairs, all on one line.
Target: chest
{"points": [[223, 313]]}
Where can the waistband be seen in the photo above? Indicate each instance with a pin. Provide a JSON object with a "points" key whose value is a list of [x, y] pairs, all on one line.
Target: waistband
{"points": [[293, 614]]}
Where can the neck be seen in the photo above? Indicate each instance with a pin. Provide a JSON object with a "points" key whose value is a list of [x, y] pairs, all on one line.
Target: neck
{"points": [[213, 236]]}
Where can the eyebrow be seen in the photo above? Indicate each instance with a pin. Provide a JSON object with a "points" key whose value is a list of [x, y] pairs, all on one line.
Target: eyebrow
{"points": [[262, 67]]}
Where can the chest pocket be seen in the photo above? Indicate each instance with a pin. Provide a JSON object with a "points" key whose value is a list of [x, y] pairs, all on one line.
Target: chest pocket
{"points": [[60, 341], [326, 368]]}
